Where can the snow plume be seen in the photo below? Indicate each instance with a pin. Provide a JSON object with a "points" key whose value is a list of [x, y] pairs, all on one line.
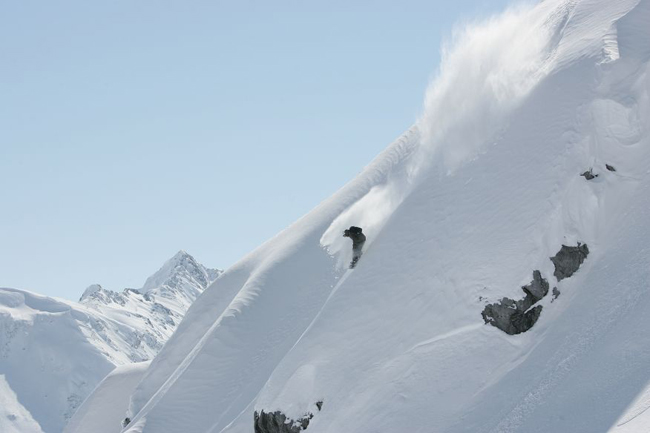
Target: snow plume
{"points": [[486, 71], [371, 213]]}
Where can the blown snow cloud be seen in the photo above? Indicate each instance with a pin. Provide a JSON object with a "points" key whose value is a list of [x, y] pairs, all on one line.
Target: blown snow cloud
{"points": [[487, 69]]}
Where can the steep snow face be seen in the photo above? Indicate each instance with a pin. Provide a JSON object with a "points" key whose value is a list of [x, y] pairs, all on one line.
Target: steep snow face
{"points": [[459, 213], [54, 352], [103, 411], [11, 410]]}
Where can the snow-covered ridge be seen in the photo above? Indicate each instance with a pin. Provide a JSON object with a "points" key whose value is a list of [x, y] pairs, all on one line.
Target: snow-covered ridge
{"points": [[53, 352]]}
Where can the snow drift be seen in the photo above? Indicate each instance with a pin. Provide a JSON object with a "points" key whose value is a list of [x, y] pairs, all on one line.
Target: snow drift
{"points": [[459, 212]]}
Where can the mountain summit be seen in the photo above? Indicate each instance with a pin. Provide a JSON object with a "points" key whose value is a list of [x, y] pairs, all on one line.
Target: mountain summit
{"points": [[174, 286], [90, 290], [181, 277], [181, 271]]}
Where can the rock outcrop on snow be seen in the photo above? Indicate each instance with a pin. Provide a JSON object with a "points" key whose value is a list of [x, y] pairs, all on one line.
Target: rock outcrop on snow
{"points": [[589, 174], [514, 317], [568, 260], [277, 422], [556, 293]]}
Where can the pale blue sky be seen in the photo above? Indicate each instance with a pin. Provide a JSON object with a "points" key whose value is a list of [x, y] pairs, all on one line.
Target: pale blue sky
{"points": [[132, 129]]}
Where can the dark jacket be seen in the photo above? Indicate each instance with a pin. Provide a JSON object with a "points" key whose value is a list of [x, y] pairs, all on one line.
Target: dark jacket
{"points": [[358, 238]]}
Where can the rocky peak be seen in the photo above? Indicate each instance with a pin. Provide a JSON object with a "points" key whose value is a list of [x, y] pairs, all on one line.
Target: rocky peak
{"points": [[180, 272], [90, 290], [180, 280]]}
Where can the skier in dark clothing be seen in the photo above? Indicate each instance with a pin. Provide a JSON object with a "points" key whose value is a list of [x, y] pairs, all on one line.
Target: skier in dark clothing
{"points": [[358, 239]]}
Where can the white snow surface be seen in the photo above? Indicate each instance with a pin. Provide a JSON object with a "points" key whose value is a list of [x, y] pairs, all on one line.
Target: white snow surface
{"points": [[54, 352], [16, 418], [636, 418], [458, 212], [103, 411]]}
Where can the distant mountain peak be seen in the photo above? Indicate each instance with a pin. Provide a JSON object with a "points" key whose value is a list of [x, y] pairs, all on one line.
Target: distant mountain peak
{"points": [[182, 254], [180, 271], [181, 276], [90, 290]]}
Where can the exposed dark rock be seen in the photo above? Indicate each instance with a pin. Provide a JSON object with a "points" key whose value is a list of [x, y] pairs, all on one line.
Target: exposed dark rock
{"points": [[556, 294], [589, 174], [568, 260], [277, 422], [610, 167], [514, 317], [508, 318], [126, 421], [537, 289]]}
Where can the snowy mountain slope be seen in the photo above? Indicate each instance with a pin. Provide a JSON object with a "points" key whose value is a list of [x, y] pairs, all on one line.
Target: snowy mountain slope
{"points": [[11, 410], [300, 275], [459, 213], [47, 359], [637, 417], [111, 397], [54, 352]]}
